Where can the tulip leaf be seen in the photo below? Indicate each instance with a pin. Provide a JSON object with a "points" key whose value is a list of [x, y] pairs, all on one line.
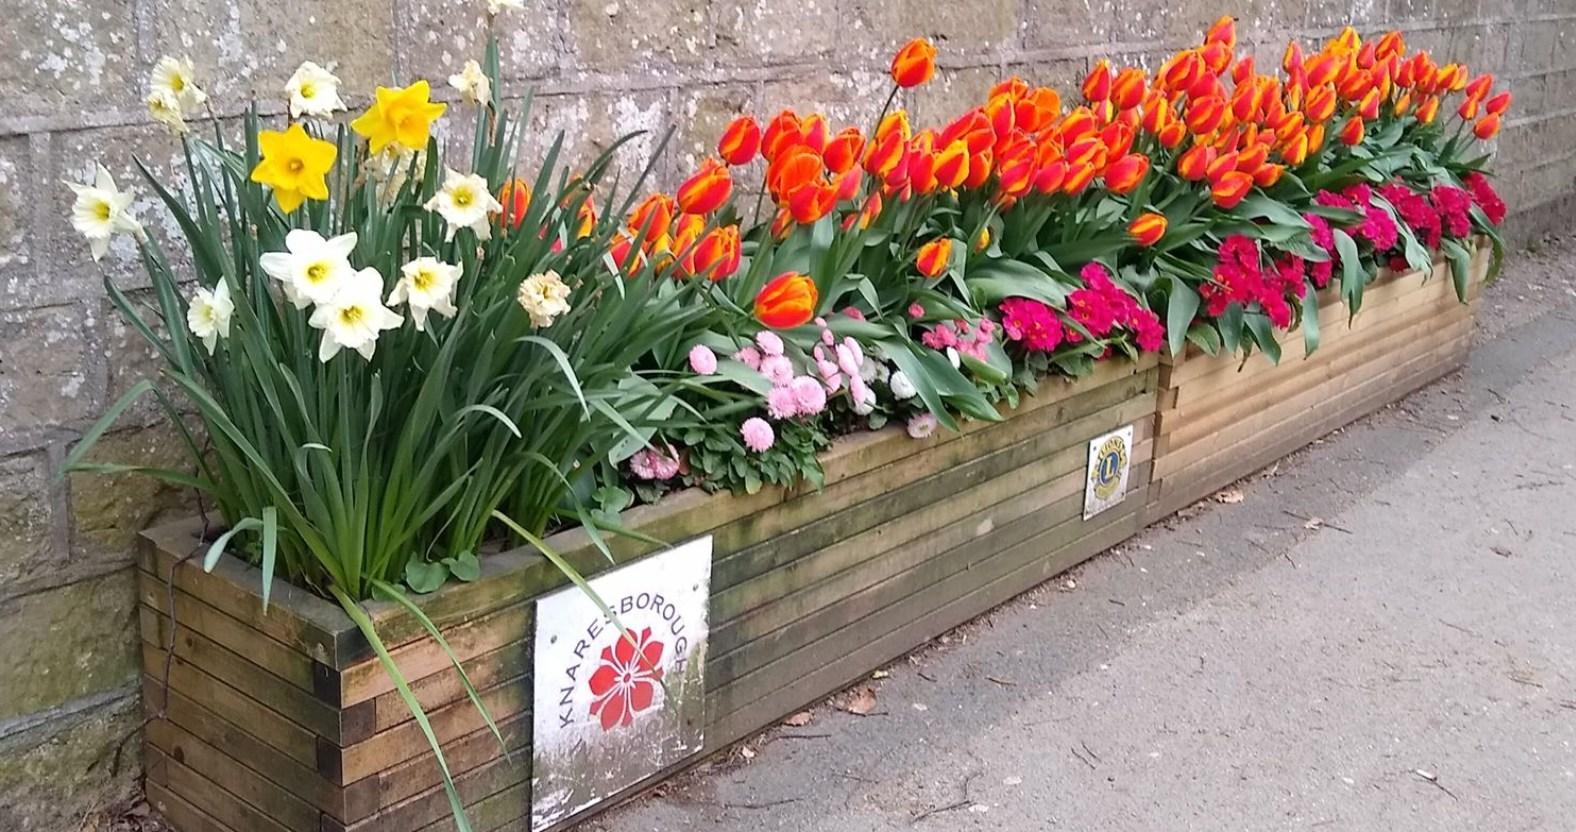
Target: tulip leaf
{"points": [[1460, 267], [1261, 206], [1352, 274], [1310, 320], [1181, 306]]}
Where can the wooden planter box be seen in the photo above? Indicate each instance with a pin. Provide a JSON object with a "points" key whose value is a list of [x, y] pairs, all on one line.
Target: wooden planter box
{"points": [[1219, 419], [284, 721]]}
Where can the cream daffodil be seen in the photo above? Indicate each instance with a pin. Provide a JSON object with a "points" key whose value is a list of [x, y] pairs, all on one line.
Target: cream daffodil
{"points": [[427, 285], [166, 110], [313, 91], [101, 211], [313, 268], [178, 77], [544, 297], [354, 317], [208, 316], [465, 202], [473, 84]]}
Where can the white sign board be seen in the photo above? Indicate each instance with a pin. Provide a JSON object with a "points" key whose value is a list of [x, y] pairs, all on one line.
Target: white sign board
{"points": [[1110, 460], [609, 711]]}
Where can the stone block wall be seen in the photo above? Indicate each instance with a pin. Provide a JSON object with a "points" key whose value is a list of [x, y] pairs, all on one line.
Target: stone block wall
{"points": [[72, 75]]}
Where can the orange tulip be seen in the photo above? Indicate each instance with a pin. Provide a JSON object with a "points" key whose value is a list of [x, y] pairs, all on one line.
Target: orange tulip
{"points": [[1127, 90], [1478, 88], [872, 209], [1194, 162], [716, 255], [1078, 178], [1487, 127], [707, 190], [515, 196], [1147, 229], [1204, 115], [1230, 188], [844, 150], [787, 301], [1011, 87], [1469, 108], [1498, 104], [740, 141], [792, 169], [1123, 175], [1295, 149], [1352, 131], [1097, 84], [1016, 176], [885, 153], [1216, 57], [934, 257], [952, 165], [1050, 177], [1428, 110], [781, 132], [1223, 31], [979, 169], [815, 132], [1320, 104], [1037, 110], [1267, 175], [1253, 158], [894, 122], [626, 255], [914, 64], [651, 217], [922, 163], [812, 201]]}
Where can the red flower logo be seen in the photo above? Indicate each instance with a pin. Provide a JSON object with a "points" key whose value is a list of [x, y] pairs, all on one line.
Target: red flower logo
{"points": [[625, 683]]}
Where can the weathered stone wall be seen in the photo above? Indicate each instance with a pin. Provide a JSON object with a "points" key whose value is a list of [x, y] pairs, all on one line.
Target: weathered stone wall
{"points": [[72, 73]]}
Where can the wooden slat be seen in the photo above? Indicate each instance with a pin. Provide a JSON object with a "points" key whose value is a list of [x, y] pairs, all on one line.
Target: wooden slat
{"points": [[846, 537], [228, 810], [838, 513], [260, 795], [1197, 480], [1297, 381], [400, 782], [405, 741], [823, 667], [255, 754], [178, 812], [424, 657], [1192, 442], [280, 697], [443, 687], [290, 665], [1213, 375], [493, 812], [236, 707], [432, 805]]}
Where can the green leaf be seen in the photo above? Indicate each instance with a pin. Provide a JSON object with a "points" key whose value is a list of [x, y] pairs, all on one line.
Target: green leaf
{"points": [[1205, 336], [464, 566], [1181, 307], [216, 549], [1353, 277], [270, 549], [1263, 206], [423, 577], [1264, 334], [1460, 267], [1310, 320]]}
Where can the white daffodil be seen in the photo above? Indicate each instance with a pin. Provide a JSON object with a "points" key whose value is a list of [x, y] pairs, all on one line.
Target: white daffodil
{"points": [[178, 77], [427, 285], [313, 268], [464, 202], [166, 110], [473, 84], [313, 91], [355, 316], [208, 316], [544, 297], [494, 7], [101, 211], [391, 168]]}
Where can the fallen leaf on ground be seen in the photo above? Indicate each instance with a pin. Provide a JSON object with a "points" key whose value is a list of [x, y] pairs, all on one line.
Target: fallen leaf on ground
{"points": [[799, 720], [1230, 496], [1314, 523], [746, 752], [881, 674], [861, 703]]}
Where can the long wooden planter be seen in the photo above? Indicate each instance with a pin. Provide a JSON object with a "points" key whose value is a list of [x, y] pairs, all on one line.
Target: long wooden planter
{"points": [[283, 721], [1219, 419]]}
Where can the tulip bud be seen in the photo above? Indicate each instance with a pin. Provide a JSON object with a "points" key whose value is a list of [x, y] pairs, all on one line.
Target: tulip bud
{"points": [[844, 150], [934, 257], [1127, 90], [651, 217], [707, 190], [952, 165], [1147, 229], [717, 254], [1352, 132], [1224, 32], [515, 196], [914, 64], [1487, 127], [1123, 175], [1193, 165], [1204, 115], [740, 141], [787, 301], [1498, 104], [1230, 188], [1097, 84]]}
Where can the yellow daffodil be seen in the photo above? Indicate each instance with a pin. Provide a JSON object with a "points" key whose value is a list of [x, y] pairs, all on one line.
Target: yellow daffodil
{"points": [[399, 116], [295, 165]]}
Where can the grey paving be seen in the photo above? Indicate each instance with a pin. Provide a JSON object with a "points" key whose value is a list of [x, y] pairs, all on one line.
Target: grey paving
{"points": [[1381, 635]]}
